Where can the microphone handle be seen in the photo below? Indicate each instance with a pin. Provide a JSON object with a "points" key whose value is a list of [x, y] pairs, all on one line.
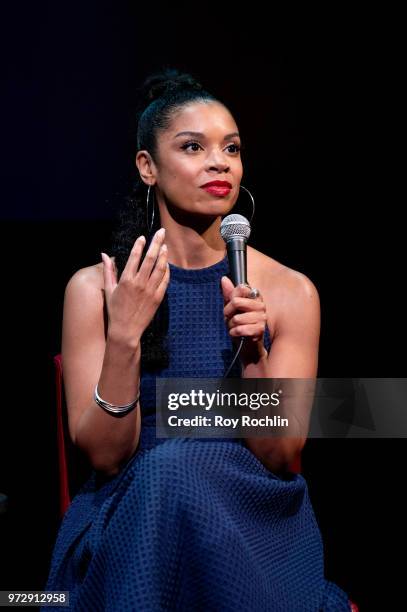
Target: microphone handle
{"points": [[236, 249]]}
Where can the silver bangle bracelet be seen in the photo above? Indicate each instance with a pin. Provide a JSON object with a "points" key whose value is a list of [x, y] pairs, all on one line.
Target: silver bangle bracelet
{"points": [[112, 408]]}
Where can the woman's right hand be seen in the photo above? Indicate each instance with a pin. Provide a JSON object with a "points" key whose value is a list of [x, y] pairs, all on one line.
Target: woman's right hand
{"points": [[132, 302]]}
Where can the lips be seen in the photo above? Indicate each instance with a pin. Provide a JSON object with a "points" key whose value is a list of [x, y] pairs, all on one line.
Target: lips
{"points": [[217, 184], [217, 188]]}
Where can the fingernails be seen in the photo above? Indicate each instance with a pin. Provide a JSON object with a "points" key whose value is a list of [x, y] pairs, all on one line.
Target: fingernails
{"points": [[160, 233]]}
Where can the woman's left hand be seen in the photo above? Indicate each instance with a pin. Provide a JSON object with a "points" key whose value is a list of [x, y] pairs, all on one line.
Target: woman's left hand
{"points": [[245, 316]]}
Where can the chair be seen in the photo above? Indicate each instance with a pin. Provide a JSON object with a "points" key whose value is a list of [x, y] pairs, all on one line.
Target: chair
{"points": [[64, 495]]}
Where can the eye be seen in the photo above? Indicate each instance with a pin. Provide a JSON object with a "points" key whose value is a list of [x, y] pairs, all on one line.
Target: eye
{"points": [[236, 146], [196, 146], [190, 144]]}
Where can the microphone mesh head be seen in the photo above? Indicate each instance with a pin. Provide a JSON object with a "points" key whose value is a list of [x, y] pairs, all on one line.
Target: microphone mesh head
{"points": [[234, 226]]}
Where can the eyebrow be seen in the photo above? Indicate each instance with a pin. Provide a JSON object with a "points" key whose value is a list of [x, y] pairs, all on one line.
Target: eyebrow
{"points": [[200, 135]]}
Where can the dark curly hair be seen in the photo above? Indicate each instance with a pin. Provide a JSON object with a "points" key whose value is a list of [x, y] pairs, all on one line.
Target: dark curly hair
{"points": [[161, 95]]}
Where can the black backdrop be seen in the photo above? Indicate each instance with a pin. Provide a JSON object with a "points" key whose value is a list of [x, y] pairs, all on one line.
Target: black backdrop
{"points": [[315, 93]]}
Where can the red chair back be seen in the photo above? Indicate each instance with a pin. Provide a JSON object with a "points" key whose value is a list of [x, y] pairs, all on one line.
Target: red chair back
{"points": [[64, 495], [296, 465]]}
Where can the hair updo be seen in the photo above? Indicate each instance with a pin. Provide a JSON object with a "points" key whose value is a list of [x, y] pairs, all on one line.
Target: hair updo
{"points": [[161, 95]]}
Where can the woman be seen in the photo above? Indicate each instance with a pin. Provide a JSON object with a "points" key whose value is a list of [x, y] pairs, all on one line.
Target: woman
{"points": [[184, 524]]}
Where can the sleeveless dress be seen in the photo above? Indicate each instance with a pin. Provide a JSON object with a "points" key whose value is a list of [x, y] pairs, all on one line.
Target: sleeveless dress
{"points": [[193, 524]]}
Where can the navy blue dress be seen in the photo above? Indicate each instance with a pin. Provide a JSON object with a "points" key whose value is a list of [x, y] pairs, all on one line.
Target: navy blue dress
{"points": [[193, 524]]}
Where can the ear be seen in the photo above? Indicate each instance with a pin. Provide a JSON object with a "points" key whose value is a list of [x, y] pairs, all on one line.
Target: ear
{"points": [[146, 167]]}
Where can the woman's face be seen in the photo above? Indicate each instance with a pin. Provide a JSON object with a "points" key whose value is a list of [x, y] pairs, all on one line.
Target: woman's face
{"points": [[201, 145]]}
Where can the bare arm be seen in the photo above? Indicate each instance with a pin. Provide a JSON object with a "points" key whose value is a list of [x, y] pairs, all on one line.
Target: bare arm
{"points": [[112, 360], [293, 354], [88, 358]]}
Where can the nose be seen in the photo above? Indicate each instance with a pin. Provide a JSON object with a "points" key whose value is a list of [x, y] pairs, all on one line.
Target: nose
{"points": [[218, 161]]}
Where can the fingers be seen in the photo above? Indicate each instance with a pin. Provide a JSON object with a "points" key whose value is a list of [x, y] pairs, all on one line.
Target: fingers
{"points": [[227, 288], [243, 290], [254, 331], [243, 304], [162, 287], [109, 274], [160, 268], [134, 259], [247, 318], [133, 267], [250, 325], [245, 315], [151, 256]]}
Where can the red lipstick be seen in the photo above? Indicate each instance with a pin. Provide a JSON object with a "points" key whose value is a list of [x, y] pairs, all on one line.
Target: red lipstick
{"points": [[218, 188]]}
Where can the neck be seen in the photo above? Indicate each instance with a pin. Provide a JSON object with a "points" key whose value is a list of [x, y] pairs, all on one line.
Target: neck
{"points": [[194, 245]]}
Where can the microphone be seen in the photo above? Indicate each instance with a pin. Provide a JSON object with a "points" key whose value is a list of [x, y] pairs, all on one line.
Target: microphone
{"points": [[235, 231]]}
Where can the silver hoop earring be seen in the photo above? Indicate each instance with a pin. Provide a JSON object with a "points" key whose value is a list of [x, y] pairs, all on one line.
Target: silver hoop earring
{"points": [[149, 226], [252, 200]]}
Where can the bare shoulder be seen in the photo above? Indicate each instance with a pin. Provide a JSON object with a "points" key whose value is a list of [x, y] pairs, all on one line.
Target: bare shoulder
{"points": [[286, 291], [84, 313], [88, 279], [85, 289]]}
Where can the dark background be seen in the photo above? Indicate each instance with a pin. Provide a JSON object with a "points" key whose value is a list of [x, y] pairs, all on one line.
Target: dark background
{"points": [[316, 96]]}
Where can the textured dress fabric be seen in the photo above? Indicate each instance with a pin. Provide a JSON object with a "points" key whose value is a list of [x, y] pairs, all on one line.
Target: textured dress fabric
{"points": [[193, 524]]}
